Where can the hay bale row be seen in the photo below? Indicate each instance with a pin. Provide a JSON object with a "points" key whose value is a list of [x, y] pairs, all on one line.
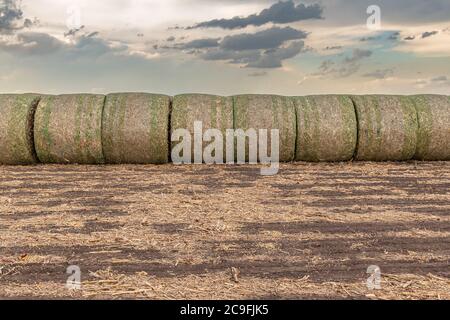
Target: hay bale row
{"points": [[136, 127], [387, 128], [16, 128], [326, 128]]}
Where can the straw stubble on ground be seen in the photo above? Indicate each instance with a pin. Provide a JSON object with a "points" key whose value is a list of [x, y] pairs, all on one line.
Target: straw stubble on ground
{"points": [[171, 232]]}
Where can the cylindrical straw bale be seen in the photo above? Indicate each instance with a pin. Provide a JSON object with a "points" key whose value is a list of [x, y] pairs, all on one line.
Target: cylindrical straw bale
{"points": [[268, 112], [326, 128], [387, 128], [16, 128], [135, 128], [209, 112], [68, 129], [433, 138]]}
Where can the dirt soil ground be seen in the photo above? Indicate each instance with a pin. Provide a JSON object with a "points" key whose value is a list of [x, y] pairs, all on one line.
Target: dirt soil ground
{"points": [[226, 232]]}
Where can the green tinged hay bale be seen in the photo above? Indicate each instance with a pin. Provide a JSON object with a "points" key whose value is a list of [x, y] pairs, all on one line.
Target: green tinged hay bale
{"points": [[268, 112], [433, 114], [135, 128], [214, 112], [326, 128], [387, 128], [16, 129], [68, 129]]}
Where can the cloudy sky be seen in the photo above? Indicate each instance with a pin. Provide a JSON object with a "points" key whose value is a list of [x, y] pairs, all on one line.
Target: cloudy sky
{"points": [[225, 47]]}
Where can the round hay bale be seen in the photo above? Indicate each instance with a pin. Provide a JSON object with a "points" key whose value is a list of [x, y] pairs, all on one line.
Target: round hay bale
{"points": [[135, 128], [387, 128], [326, 128], [16, 128], [268, 112], [433, 138], [68, 129], [214, 112]]}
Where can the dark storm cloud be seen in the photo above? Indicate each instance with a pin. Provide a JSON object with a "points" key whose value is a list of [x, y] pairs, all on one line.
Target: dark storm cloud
{"points": [[429, 34], [86, 46], [265, 59], [333, 48], [267, 39], [37, 44], [33, 43], [387, 35], [263, 49], [93, 34], [280, 13], [240, 57], [11, 17], [73, 32], [201, 43], [274, 58]]}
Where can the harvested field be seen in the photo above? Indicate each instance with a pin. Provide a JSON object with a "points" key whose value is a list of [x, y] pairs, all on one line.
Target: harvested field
{"points": [[223, 232]]}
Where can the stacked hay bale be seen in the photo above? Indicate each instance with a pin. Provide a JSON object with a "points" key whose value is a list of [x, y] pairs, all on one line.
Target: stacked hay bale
{"points": [[433, 115], [214, 112], [67, 129], [16, 128], [326, 128], [135, 128], [268, 112], [387, 128]]}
